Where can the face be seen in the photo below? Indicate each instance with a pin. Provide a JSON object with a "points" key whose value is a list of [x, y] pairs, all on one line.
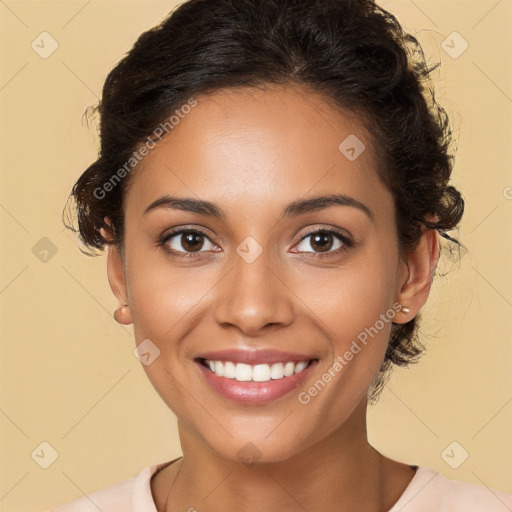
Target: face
{"points": [[263, 271]]}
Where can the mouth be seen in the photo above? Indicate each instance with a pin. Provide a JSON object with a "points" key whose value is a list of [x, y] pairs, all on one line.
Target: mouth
{"points": [[254, 384]]}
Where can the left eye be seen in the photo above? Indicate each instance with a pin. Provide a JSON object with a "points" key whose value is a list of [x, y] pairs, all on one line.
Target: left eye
{"points": [[323, 241]]}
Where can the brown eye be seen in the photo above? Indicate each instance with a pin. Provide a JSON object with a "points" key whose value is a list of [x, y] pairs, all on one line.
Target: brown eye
{"points": [[324, 242], [192, 241], [187, 241], [321, 242]]}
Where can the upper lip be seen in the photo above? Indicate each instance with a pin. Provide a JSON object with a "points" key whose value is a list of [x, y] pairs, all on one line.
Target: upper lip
{"points": [[252, 357]]}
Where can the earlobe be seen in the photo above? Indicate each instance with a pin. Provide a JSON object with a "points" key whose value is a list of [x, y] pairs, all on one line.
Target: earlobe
{"points": [[421, 265]]}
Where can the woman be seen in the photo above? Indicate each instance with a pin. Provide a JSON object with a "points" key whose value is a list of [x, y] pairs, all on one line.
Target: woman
{"points": [[271, 186]]}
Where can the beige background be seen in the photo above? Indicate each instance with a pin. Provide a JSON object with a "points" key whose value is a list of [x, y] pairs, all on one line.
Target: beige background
{"points": [[69, 376]]}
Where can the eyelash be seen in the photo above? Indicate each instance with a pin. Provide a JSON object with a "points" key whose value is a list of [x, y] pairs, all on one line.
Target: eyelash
{"points": [[348, 243]]}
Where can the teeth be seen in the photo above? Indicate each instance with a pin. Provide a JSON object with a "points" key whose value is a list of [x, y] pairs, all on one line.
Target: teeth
{"points": [[300, 366], [261, 373], [289, 369], [243, 372], [229, 370], [257, 373]]}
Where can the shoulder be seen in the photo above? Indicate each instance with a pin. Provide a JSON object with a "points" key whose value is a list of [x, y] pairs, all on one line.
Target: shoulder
{"points": [[430, 490], [129, 495]]}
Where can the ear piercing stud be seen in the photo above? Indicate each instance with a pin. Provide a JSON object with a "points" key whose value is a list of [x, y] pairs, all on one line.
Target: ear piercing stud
{"points": [[116, 312]]}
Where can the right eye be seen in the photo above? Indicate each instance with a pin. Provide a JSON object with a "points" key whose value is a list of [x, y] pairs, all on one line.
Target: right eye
{"points": [[184, 243]]}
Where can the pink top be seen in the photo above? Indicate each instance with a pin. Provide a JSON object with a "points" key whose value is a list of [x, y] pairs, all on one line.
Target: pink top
{"points": [[428, 491]]}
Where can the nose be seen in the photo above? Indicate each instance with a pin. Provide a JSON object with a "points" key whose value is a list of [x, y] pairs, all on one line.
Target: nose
{"points": [[254, 297]]}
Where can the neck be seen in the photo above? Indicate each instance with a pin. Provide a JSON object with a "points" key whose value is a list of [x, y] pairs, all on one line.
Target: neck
{"points": [[342, 472]]}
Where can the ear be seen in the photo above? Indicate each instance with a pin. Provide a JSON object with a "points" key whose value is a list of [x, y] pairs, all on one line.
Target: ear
{"points": [[420, 267], [116, 276]]}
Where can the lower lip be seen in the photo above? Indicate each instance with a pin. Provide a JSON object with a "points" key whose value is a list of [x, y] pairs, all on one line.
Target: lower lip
{"points": [[250, 392]]}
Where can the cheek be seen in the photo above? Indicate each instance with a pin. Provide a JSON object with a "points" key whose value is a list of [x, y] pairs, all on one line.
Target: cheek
{"points": [[357, 314], [351, 298], [162, 296], [354, 305], [165, 302]]}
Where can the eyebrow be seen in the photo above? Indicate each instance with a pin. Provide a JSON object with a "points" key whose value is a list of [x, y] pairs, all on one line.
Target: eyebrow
{"points": [[293, 209]]}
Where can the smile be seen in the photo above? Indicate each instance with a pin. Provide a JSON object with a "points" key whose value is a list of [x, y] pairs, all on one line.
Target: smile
{"points": [[254, 384], [256, 373]]}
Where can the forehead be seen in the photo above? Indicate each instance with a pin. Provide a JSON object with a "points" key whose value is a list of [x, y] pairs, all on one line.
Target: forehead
{"points": [[250, 146]]}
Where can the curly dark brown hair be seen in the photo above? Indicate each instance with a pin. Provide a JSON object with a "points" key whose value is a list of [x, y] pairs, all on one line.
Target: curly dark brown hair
{"points": [[351, 52]]}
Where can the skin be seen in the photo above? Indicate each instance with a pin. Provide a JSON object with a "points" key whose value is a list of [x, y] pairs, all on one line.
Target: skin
{"points": [[252, 152]]}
